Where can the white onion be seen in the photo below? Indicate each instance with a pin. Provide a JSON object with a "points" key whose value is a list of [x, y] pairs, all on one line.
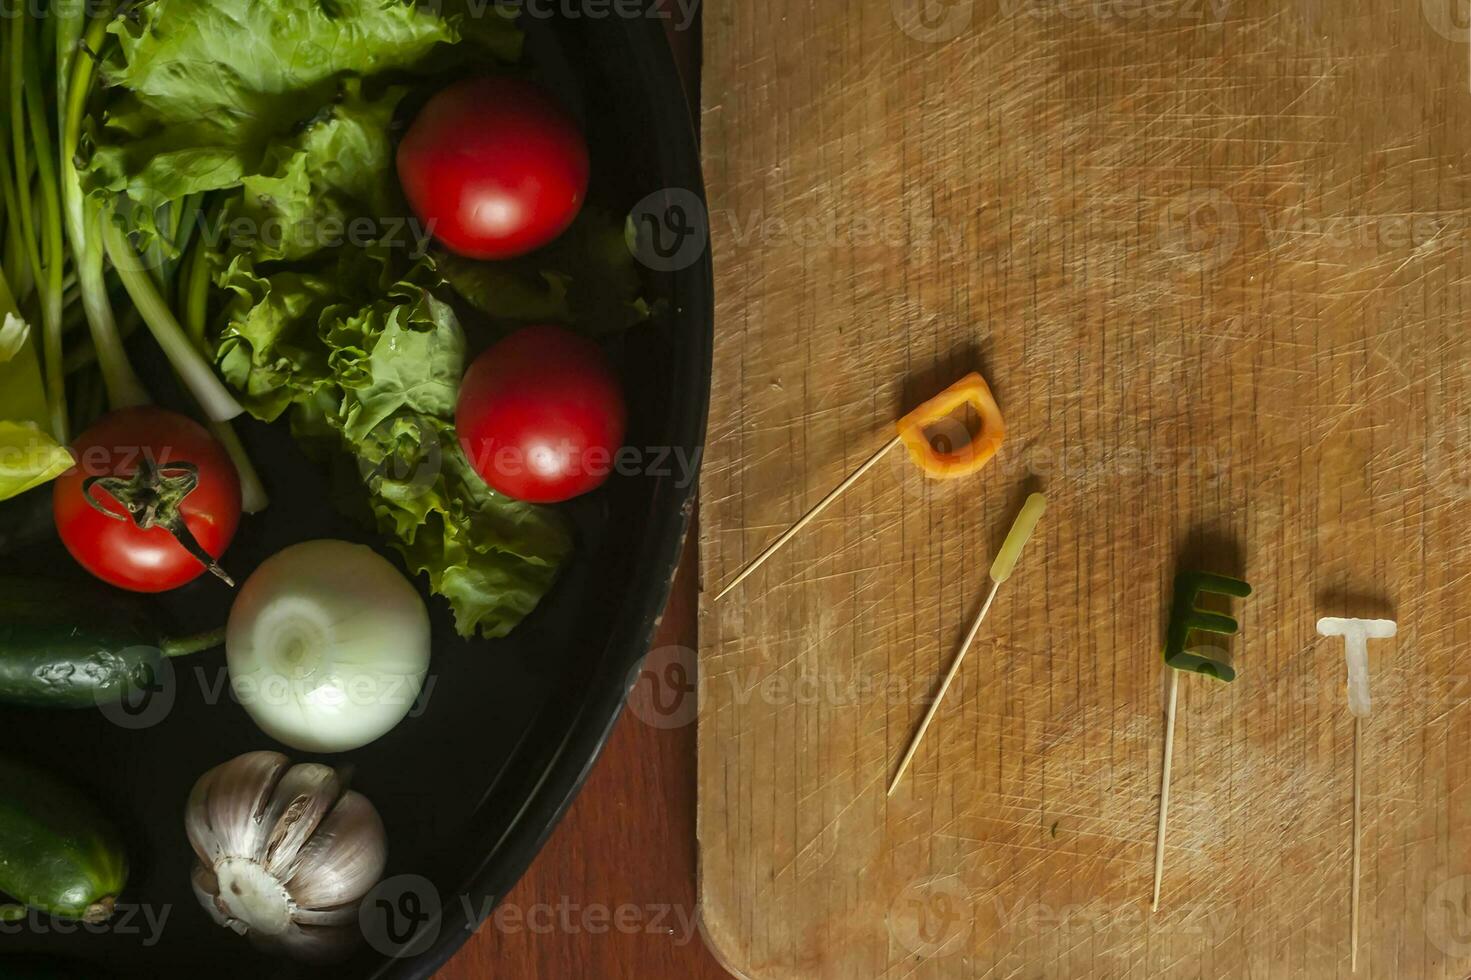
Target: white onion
{"points": [[327, 645]]}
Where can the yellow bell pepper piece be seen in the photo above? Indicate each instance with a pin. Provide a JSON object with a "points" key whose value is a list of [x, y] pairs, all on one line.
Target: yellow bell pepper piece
{"points": [[970, 390]]}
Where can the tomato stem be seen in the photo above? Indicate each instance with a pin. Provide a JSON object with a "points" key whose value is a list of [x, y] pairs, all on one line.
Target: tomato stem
{"points": [[152, 498]]}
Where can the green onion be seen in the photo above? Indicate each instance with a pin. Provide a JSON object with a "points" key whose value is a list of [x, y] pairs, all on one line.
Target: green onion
{"points": [[74, 74], [196, 373]]}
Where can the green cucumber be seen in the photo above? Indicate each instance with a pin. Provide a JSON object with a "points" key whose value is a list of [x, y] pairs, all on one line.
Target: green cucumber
{"points": [[67, 645], [58, 854]]}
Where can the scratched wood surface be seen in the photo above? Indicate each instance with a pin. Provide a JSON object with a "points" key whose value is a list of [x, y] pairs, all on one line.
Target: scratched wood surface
{"points": [[1214, 261]]}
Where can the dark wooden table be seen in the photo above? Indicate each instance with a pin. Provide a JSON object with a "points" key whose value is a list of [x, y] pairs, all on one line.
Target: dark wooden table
{"points": [[613, 895]]}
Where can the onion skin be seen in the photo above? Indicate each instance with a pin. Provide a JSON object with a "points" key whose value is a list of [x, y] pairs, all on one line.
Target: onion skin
{"points": [[327, 645]]}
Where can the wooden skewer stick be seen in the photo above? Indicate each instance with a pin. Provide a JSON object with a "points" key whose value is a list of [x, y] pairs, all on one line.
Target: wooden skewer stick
{"points": [[929, 715], [1001, 569], [791, 532], [1164, 786], [1353, 930]]}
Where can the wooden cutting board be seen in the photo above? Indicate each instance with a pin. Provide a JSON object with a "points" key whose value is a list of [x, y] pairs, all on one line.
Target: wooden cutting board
{"points": [[1215, 259]]}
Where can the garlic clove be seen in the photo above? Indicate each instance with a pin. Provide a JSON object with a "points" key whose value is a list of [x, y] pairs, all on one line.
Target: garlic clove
{"points": [[224, 812], [301, 799], [312, 944], [342, 915], [250, 894], [207, 890], [207, 846], [344, 859]]}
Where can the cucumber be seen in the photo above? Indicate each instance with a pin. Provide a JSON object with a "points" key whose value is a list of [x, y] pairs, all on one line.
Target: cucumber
{"points": [[58, 853], [69, 645]]}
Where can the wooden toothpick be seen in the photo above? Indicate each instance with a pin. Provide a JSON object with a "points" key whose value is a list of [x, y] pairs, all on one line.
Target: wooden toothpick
{"points": [[1001, 568], [929, 715], [1353, 929], [806, 518], [1164, 788]]}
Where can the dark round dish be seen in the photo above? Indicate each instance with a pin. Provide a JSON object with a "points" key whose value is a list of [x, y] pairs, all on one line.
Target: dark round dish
{"points": [[470, 786]]}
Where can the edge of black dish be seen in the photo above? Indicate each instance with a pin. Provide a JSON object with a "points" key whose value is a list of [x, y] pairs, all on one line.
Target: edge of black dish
{"points": [[553, 778]]}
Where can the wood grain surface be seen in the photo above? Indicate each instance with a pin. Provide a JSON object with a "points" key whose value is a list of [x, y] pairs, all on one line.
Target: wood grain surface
{"points": [[1212, 257]]}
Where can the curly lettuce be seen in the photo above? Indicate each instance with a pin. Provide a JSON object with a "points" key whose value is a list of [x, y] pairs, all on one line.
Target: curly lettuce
{"points": [[380, 381], [205, 92], [534, 289], [281, 111]]}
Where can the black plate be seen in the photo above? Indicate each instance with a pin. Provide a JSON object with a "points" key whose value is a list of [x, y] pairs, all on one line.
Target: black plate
{"points": [[471, 787]]}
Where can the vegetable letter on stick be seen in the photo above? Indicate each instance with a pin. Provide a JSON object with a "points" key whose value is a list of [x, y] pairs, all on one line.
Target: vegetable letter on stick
{"points": [[1185, 618], [970, 390], [1356, 635]]}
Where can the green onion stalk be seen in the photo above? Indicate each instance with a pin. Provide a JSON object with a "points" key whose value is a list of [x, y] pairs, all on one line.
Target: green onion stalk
{"points": [[194, 306], [98, 232], [52, 246], [95, 237], [26, 122], [196, 373], [76, 38]]}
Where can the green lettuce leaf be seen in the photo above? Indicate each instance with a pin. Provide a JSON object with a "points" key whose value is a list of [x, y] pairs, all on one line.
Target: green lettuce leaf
{"points": [[268, 348], [489, 28], [315, 190], [605, 295], [205, 90], [492, 557], [29, 456], [405, 353]]}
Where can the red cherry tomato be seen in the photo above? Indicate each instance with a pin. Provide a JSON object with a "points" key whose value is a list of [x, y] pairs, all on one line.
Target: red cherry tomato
{"points": [[494, 168], [541, 415], [148, 485]]}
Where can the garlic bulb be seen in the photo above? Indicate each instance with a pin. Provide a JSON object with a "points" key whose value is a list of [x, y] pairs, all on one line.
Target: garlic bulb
{"points": [[286, 853]]}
